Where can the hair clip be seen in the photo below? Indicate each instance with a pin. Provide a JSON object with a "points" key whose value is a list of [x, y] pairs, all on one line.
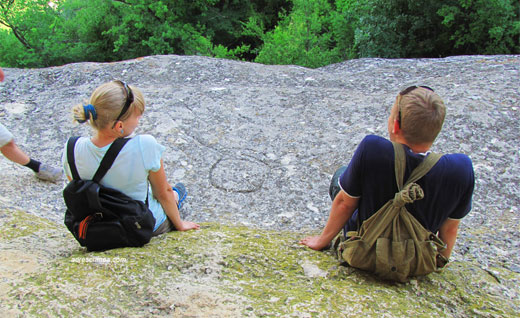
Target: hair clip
{"points": [[89, 110]]}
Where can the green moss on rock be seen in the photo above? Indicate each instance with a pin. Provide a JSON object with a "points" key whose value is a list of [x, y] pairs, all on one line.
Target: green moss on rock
{"points": [[224, 271], [16, 223]]}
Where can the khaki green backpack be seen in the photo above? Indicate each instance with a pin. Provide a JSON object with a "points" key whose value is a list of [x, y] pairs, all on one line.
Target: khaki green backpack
{"points": [[392, 243]]}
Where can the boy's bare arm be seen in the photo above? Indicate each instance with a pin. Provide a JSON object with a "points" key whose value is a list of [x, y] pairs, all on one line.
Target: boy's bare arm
{"points": [[448, 233], [342, 208]]}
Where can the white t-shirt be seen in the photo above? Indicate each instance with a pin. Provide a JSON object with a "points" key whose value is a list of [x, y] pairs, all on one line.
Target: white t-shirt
{"points": [[5, 135], [128, 174]]}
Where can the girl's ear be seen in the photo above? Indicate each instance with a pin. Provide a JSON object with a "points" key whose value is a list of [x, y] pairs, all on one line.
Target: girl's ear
{"points": [[118, 125]]}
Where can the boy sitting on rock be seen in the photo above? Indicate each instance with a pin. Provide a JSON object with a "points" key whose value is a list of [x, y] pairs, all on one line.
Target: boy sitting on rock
{"points": [[368, 182]]}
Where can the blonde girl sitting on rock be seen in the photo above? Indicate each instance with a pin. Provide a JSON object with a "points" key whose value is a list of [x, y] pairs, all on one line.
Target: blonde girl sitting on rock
{"points": [[113, 112]]}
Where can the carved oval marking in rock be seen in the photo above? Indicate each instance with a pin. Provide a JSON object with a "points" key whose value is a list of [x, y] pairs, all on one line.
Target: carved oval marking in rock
{"points": [[238, 175]]}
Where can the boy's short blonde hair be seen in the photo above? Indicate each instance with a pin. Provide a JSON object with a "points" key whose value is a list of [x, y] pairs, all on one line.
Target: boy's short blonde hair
{"points": [[422, 115], [108, 101]]}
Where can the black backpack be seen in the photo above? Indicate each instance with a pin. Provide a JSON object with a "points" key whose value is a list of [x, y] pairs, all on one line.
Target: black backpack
{"points": [[101, 218]]}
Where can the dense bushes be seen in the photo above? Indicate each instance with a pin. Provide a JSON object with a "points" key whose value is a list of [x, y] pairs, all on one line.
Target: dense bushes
{"points": [[311, 33], [431, 28]]}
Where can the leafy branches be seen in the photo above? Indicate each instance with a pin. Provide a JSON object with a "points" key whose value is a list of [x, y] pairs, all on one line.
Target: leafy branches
{"points": [[482, 26], [429, 28], [312, 33], [12, 13]]}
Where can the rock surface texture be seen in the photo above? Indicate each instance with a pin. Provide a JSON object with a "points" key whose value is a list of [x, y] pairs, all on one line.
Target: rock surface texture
{"points": [[256, 146]]}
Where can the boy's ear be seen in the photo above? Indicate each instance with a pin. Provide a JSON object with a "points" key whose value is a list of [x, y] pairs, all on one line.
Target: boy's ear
{"points": [[397, 127]]}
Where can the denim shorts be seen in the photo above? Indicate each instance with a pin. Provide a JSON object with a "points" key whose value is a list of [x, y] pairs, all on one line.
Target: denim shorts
{"points": [[165, 227]]}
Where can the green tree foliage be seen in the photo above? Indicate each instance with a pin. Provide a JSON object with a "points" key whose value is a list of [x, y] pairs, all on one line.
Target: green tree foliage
{"points": [[227, 28], [399, 28], [81, 31], [314, 34], [239, 25], [28, 21], [108, 30], [482, 26], [150, 27], [430, 28], [64, 32], [13, 53]]}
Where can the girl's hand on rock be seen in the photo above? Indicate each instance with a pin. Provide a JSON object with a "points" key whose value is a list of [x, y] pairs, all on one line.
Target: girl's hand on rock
{"points": [[187, 225]]}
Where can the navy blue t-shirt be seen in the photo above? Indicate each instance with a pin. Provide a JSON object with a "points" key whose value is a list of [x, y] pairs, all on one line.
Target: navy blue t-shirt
{"points": [[448, 186]]}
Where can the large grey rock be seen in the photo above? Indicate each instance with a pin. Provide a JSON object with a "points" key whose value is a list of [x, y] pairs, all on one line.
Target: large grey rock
{"points": [[256, 145]]}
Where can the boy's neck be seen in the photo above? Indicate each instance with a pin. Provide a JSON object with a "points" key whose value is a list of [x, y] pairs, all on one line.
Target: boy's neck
{"points": [[419, 148]]}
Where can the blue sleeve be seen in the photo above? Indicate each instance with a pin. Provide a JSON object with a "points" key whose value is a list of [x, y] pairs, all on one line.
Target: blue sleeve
{"points": [[465, 176], [372, 164], [350, 180], [152, 152]]}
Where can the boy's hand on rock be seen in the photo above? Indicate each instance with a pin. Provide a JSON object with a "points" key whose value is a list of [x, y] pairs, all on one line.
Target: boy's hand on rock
{"points": [[314, 242]]}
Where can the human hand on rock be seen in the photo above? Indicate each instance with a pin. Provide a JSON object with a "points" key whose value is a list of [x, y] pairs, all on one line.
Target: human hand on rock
{"points": [[187, 225], [314, 242]]}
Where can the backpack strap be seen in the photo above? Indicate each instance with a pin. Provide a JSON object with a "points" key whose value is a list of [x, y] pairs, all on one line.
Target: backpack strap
{"points": [[424, 167], [418, 172], [71, 143], [106, 162], [386, 213], [109, 158]]}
